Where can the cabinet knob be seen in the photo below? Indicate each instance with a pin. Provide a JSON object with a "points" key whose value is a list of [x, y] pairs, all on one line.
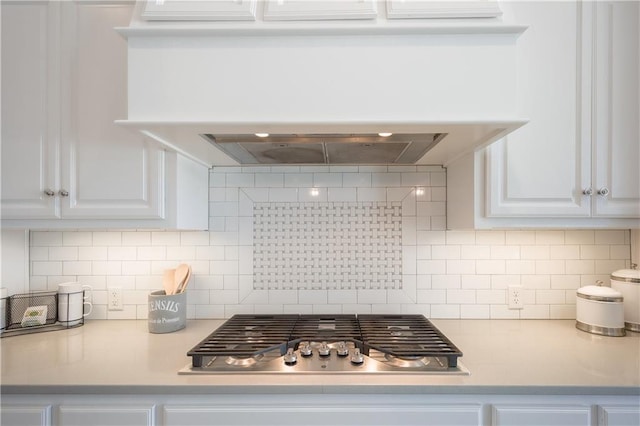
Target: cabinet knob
{"points": [[64, 193], [49, 193], [587, 191], [603, 192]]}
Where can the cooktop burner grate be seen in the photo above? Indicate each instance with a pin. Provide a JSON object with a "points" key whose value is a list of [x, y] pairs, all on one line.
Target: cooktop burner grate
{"points": [[401, 336], [406, 336]]}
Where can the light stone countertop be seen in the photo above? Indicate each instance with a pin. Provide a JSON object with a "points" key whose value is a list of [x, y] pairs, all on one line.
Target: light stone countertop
{"points": [[504, 356]]}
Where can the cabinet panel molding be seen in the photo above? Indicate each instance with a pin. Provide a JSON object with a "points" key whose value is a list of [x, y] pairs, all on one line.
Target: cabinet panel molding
{"points": [[103, 415], [399, 9], [618, 415], [283, 10], [26, 415], [535, 415], [219, 10], [323, 414]]}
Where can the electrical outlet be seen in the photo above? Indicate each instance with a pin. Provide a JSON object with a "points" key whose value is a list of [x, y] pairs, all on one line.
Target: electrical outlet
{"points": [[114, 302], [514, 293]]}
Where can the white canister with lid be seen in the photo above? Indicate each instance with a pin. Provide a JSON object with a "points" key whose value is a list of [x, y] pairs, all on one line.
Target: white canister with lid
{"points": [[599, 310], [627, 282]]}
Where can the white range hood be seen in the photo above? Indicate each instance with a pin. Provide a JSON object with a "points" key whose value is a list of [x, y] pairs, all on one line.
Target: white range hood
{"points": [[226, 68]]}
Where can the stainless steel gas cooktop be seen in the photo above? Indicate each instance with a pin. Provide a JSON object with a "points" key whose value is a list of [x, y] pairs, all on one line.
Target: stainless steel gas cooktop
{"points": [[316, 344]]}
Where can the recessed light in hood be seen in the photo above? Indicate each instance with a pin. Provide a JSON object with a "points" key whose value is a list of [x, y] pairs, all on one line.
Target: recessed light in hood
{"points": [[325, 148]]}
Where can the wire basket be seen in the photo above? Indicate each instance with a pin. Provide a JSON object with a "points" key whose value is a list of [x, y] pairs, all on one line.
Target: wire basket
{"points": [[35, 312]]}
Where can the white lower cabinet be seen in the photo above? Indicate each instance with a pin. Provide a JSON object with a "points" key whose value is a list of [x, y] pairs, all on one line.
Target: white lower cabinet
{"points": [[295, 408], [103, 415], [610, 415], [25, 415], [310, 413], [535, 415]]}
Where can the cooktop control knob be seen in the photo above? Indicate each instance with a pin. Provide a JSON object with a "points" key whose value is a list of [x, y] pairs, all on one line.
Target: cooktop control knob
{"points": [[343, 350], [305, 349], [357, 357], [290, 357], [324, 350]]}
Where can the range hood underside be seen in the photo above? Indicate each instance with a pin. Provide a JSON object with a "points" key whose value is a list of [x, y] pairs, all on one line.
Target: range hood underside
{"points": [[325, 148]]}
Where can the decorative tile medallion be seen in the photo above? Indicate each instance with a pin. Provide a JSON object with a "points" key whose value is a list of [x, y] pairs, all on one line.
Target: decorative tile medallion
{"points": [[331, 245]]}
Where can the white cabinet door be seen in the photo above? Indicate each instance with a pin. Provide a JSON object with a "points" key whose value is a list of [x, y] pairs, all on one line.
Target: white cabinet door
{"points": [[106, 415], [400, 9], [540, 168], [108, 171], [618, 415], [583, 135], [535, 415], [323, 414], [283, 10], [30, 142], [25, 415], [616, 168]]}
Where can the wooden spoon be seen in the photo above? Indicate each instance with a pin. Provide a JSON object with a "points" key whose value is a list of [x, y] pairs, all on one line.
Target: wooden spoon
{"points": [[180, 276], [184, 284], [168, 278]]}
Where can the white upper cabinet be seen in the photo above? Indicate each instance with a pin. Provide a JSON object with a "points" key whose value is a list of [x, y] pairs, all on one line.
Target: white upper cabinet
{"points": [[615, 179], [575, 164], [64, 161], [284, 10], [30, 140]]}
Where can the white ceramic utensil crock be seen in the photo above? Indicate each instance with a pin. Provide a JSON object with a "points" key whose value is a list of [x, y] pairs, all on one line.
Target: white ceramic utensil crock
{"points": [[627, 282], [599, 310]]}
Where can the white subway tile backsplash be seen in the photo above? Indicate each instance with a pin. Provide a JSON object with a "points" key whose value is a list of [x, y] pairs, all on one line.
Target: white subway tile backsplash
{"points": [[165, 238], [579, 237], [327, 180], [122, 253], [139, 238], [63, 253], [564, 252], [490, 267], [382, 180], [151, 253], [39, 253], [46, 268], [107, 238], [610, 237], [460, 237], [358, 180], [461, 266], [77, 238], [415, 179], [476, 281], [46, 238], [549, 237], [283, 195], [80, 267], [437, 273], [438, 179], [475, 311], [550, 266], [535, 252], [520, 238], [240, 180]]}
